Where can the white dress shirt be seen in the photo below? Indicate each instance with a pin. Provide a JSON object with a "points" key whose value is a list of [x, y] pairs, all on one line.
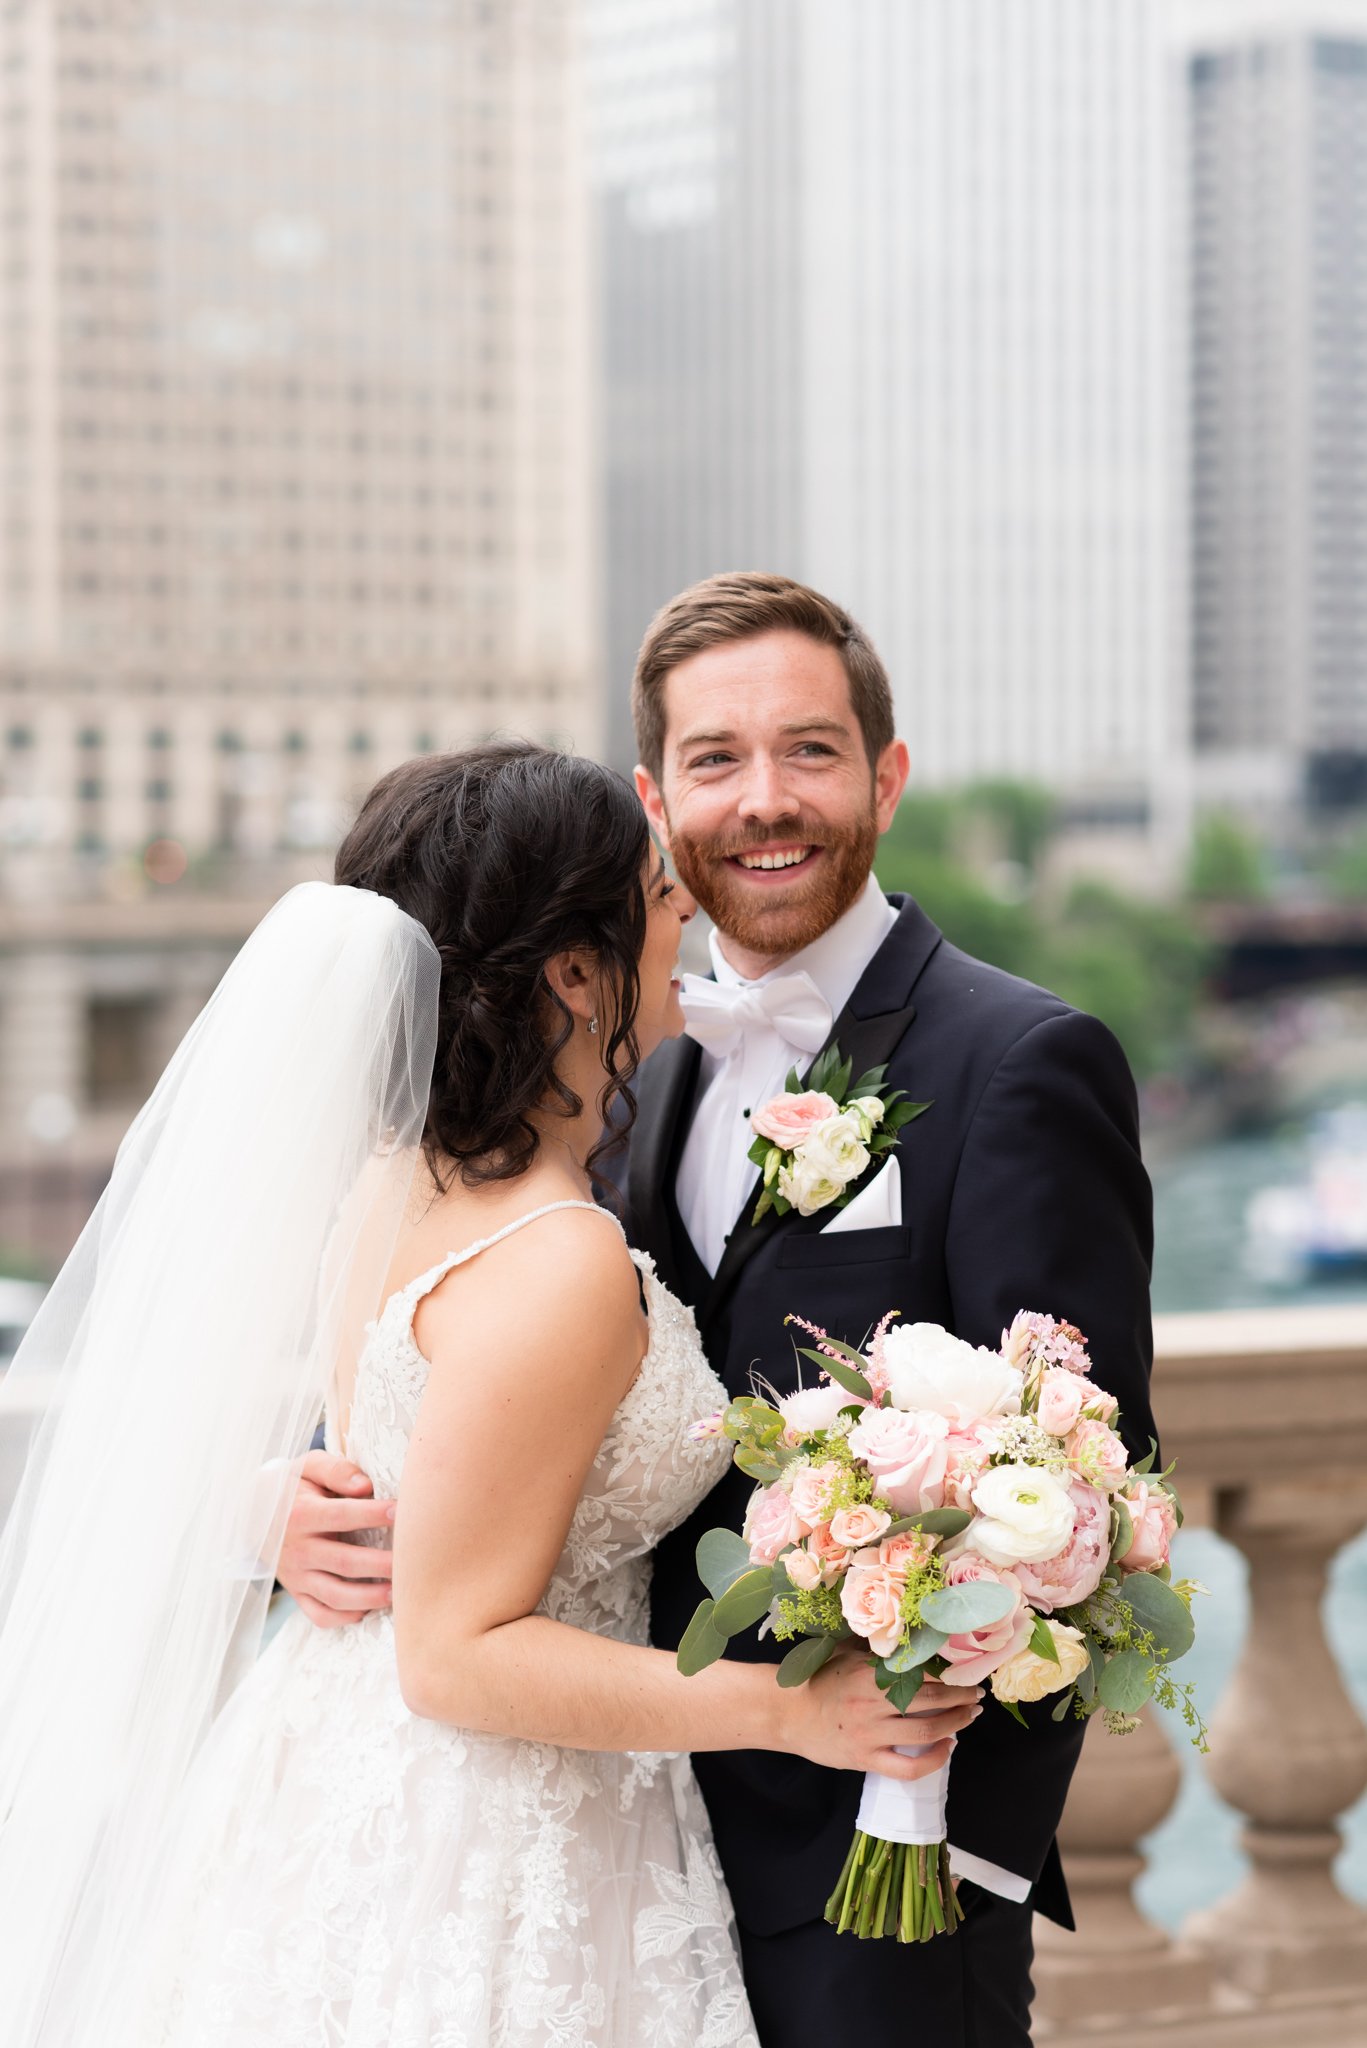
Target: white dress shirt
{"points": [[715, 1176]]}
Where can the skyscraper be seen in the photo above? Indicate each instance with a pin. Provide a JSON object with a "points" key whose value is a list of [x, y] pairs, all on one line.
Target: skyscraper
{"points": [[294, 462], [1278, 394], [295, 481], [889, 305]]}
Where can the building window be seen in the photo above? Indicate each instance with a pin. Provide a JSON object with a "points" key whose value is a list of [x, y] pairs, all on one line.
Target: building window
{"points": [[89, 736], [119, 1063], [159, 790], [295, 743], [90, 789], [159, 739], [359, 743], [229, 742], [20, 738]]}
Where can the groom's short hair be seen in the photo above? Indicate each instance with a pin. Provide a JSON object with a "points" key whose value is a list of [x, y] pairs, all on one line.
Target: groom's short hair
{"points": [[740, 605]]}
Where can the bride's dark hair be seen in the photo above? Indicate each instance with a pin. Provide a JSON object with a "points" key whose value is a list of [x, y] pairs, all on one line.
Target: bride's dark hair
{"points": [[508, 854]]}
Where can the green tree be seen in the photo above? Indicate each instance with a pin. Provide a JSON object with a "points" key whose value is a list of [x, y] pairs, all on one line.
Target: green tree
{"points": [[1226, 863], [1025, 814]]}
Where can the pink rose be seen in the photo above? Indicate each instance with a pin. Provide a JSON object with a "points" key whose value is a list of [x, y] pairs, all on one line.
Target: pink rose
{"points": [[833, 1556], [1097, 1404], [855, 1527], [975, 1655], [803, 1569], [1155, 1525], [1097, 1454], [1060, 1400], [871, 1602], [1064, 1580], [905, 1450], [811, 1484], [907, 1552], [788, 1119], [770, 1524]]}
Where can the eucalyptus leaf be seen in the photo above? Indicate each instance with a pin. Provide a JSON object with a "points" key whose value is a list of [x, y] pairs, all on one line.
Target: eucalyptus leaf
{"points": [[756, 1466], [805, 1659], [1162, 1613], [1145, 1465], [844, 1375], [1061, 1709], [923, 1643], [746, 1601], [702, 1643], [958, 1610], [722, 1557], [1126, 1682], [1042, 1640], [1123, 1534]]}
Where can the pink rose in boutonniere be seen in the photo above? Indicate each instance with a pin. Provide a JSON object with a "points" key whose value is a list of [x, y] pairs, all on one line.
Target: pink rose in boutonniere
{"points": [[814, 1142]]}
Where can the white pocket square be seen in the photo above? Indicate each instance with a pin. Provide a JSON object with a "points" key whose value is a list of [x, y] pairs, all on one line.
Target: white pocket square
{"points": [[874, 1207]]}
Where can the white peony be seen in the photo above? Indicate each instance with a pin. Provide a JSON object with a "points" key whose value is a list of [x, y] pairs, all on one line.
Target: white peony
{"points": [[813, 1407], [832, 1155], [1025, 1515], [927, 1368]]}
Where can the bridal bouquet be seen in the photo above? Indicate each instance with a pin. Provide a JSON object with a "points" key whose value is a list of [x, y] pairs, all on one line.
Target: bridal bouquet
{"points": [[968, 1515]]}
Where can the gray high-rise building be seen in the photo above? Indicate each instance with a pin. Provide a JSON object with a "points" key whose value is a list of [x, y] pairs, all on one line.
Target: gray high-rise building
{"points": [[1278, 418], [888, 304]]}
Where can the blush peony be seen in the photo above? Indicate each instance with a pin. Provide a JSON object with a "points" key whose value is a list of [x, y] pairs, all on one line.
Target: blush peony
{"points": [[1028, 1676], [1097, 1453], [1064, 1580], [974, 1656], [813, 1408]]}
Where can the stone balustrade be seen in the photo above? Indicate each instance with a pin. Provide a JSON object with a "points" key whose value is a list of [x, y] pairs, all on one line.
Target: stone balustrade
{"points": [[1266, 1413]]}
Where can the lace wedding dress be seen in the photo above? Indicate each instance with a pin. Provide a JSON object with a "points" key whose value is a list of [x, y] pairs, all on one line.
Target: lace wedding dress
{"points": [[352, 1876]]}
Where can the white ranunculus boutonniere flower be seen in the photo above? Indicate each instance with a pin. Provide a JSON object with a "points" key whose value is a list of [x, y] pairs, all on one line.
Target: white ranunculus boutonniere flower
{"points": [[816, 1140]]}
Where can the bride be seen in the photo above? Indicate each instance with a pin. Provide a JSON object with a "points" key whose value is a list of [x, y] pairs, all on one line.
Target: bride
{"points": [[364, 1185]]}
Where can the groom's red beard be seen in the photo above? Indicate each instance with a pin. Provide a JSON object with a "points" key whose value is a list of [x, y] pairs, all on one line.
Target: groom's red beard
{"points": [[771, 917]]}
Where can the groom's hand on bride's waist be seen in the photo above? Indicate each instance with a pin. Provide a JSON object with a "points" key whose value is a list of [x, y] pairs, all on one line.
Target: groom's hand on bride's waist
{"points": [[331, 1577]]}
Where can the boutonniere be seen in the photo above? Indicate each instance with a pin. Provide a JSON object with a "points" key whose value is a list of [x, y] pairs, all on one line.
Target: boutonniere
{"points": [[813, 1142]]}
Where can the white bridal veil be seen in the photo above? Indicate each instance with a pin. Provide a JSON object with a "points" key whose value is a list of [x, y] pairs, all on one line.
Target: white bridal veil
{"points": [[187, 1343]]}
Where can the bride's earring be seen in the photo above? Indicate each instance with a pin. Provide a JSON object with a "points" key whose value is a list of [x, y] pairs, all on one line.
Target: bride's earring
{"points": [[593, 1026]]}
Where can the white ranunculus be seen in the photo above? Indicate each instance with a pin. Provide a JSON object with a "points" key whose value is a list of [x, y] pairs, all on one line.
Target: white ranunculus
{"points": [[813, 1407], [927, 1368], [836, 1147], [1024, 1515], [871, 1109], [829, 1157]]}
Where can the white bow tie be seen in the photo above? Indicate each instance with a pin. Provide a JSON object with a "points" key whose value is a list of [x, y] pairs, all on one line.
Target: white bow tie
{"points": [[718, 1015]]}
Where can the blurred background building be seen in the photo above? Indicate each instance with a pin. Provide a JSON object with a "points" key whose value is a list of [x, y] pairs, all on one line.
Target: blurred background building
{"points": [[295, 481], [888, 295], [1278, 423]]}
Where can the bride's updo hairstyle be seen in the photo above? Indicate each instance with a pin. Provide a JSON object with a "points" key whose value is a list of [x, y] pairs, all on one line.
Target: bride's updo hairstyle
{"points": [[508, 854]]}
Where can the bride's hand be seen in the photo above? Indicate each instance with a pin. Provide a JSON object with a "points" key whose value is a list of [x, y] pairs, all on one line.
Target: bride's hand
{"points": [[842, 1720]]}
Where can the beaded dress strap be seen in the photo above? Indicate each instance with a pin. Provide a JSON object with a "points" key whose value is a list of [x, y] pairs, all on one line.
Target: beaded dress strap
{"points": [[425, 1282]]}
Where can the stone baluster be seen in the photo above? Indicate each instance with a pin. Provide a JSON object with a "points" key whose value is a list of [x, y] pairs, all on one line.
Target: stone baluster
{"points": [[1117, 1961], [1289, 1751]]}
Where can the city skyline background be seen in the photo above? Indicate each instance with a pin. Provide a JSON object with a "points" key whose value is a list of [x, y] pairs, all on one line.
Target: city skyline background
{"points": [[370, 373]]}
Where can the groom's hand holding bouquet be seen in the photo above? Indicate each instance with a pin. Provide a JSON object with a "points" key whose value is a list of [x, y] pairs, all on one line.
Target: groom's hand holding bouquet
{"points": [[959, 1514]]}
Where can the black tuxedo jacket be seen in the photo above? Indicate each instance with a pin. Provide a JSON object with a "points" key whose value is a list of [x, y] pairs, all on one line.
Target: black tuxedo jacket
{"points": [[1022, 1187]]}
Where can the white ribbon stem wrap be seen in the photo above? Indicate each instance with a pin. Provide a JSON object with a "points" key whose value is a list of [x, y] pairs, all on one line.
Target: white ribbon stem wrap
{"points": [[893, 1810]]}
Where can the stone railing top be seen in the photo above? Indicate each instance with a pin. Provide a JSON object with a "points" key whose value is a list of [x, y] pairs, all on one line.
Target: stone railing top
{"points": [[1243, 1395]]}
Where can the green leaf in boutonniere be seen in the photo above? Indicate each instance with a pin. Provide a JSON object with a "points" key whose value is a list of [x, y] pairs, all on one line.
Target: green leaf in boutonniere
{"points": [[831, 1146]]}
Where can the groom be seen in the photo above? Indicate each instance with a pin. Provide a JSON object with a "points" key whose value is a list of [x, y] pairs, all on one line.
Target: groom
{"points": [[769, 767]]}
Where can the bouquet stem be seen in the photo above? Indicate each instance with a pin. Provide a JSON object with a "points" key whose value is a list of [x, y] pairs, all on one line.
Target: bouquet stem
{"points": [[894, 1890]]}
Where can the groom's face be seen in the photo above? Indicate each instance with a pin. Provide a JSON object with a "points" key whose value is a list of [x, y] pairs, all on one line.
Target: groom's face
{"points": [[767, 799]]}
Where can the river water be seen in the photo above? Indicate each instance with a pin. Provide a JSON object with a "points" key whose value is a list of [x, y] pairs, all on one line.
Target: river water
{"points": [[1200, 1202]]}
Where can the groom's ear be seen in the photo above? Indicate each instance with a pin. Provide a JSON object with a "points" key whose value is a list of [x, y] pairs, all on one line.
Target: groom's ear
{"points": [[648, 790]]}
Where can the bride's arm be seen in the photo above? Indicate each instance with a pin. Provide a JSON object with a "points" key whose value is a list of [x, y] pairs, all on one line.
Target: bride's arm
{"points": [[530, 1357]]}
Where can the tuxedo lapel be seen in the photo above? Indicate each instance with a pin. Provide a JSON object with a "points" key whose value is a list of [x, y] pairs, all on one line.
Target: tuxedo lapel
{"points": [[665, 1085], [868, 1031]]}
